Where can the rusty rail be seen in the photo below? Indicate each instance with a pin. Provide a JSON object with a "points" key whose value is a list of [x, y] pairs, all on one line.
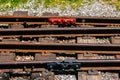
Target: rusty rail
{"points": [[57, 46], [45, 20], [59, 61], [84, 65], [31, 32]]}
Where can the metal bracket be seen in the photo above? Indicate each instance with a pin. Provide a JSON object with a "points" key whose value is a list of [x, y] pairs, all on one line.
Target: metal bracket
{"points": [[64, 65]]}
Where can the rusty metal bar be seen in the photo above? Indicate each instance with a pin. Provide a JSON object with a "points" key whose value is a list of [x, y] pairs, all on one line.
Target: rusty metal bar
{"points": [[96, 61], [58, 46], [100, 68], [59, 31], [62, 51], [59, 35]]}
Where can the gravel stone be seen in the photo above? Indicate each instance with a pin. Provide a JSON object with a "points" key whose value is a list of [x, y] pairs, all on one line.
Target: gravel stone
{"points": [[97, 8], [65, 77]]}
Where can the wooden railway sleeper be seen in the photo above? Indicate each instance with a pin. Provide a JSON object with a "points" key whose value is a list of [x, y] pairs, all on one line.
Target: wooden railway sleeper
{"points": [[25, 70], [87, 55], [115, 40], [99, 76], [92, 72], [44, 75]]}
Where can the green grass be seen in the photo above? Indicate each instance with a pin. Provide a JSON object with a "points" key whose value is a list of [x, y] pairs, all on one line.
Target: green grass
{"points": [[75, 4], [11, 4], [114, 2]]}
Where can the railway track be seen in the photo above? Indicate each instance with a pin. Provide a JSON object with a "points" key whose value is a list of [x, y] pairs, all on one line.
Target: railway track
{"points": [[56, 48], [46, 20]]}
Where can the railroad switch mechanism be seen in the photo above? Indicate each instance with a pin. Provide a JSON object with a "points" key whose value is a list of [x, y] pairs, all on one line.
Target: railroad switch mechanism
{"points": [[64, 65], [52, 47]]}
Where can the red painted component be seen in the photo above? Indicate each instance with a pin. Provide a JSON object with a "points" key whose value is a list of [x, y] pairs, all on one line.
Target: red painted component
{"points": [[52, 20], [69, 21], [56, 21], [66, 21], [60, 21]]}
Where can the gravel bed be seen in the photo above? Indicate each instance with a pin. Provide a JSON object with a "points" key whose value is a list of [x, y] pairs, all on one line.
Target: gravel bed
{"points": [[103, 40], [110, 76], [67, 41], [65, 77], [106, 57], [65, 58], [102, 76], [25, 58], [97, 8]]}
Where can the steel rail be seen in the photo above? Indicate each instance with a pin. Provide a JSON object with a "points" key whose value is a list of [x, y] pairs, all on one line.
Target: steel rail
{"points": [[60, 51], [39, 20], [60, 31], [60, 35], [58, 46], [96, 61]]}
